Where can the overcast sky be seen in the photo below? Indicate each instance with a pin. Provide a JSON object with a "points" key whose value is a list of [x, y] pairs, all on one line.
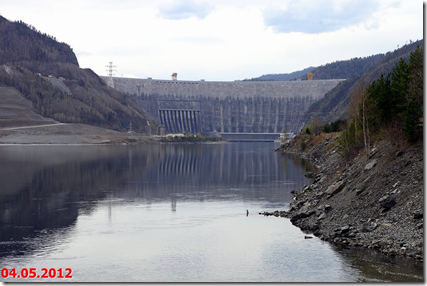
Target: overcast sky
{"points": [[220, 39]]}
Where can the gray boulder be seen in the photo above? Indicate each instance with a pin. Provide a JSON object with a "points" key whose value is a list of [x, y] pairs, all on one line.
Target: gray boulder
{"points": [[370, 165], [387, 202], [369, 226], [335, 188]]}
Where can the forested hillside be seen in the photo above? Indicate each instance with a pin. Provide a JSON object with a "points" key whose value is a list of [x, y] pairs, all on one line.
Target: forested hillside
{"points": [[346, 69], [335, 104], [284, 76], [47, 73], [393, 102], [22, 42], [337, 70]]}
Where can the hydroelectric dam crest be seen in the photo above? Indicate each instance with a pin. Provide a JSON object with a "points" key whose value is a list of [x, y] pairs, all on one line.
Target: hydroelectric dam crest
{"points": [[226, 107]]}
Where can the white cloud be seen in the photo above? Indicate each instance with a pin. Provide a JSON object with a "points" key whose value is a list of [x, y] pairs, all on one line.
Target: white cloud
{"points": [[198, 40], [314, 17], [221, 39], [184, 9]]}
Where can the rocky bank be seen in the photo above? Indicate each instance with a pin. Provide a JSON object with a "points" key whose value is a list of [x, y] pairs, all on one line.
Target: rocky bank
{"points": [[373, 201]]}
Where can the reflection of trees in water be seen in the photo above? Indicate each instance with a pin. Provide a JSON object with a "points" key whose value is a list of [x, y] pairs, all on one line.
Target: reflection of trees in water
{"points": [[294, 166], [48, 187]]}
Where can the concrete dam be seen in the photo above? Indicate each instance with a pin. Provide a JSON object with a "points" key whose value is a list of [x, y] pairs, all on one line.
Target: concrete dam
{"points": [[225, 107]]}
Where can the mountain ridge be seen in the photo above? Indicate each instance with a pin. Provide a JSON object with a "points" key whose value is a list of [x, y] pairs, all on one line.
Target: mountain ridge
{"points": [[47, 73], [23, 42], [283, 76]]}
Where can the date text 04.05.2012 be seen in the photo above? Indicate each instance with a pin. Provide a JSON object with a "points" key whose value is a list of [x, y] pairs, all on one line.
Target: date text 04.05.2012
{"points": [[34, 273]]}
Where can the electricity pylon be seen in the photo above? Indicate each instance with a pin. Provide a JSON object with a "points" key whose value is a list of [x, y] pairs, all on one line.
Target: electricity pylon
{"points": [[110, 71]]}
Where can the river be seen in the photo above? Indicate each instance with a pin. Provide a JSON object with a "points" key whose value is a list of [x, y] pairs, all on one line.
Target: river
{"points": [[167, 213]]}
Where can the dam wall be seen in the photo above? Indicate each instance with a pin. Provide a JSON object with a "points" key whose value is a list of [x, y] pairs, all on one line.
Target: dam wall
{"points": [[226, 107]]}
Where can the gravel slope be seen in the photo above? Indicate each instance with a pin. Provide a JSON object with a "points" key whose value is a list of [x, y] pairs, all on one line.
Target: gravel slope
{"points": [[373, 201]]}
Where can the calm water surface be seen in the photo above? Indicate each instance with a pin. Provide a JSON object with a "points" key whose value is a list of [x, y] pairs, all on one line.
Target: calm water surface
{"points": [[168, 213]]}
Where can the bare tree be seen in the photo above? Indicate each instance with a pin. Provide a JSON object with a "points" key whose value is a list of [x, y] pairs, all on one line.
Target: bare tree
{"points": [[365, 125], [316, 125]]}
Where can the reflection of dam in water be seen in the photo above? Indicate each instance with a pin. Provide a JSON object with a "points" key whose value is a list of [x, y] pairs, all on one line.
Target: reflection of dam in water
{"points": [[251, 137], [222, 167]]}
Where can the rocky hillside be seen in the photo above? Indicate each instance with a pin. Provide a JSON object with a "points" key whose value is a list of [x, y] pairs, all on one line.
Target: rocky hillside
{"points": [[373, 201], [47, 74]]}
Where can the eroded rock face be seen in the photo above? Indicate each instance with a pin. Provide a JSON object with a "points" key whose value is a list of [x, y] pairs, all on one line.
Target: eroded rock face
{"points": [[373, 201]]}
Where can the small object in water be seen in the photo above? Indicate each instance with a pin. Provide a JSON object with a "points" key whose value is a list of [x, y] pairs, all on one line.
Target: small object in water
{"points": [[247, 212], [307, 237]]}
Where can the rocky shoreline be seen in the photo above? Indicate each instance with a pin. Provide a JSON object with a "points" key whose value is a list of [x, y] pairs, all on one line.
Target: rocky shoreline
{"points": [[373, 201]]}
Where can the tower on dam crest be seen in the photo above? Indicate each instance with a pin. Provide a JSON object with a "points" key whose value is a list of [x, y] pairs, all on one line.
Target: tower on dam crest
{"points": [[226, 107]]}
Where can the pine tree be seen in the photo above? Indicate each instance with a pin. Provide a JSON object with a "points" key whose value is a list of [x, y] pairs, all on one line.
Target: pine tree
{"points": [[412, 126], [398, 87], [413, 113]]}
